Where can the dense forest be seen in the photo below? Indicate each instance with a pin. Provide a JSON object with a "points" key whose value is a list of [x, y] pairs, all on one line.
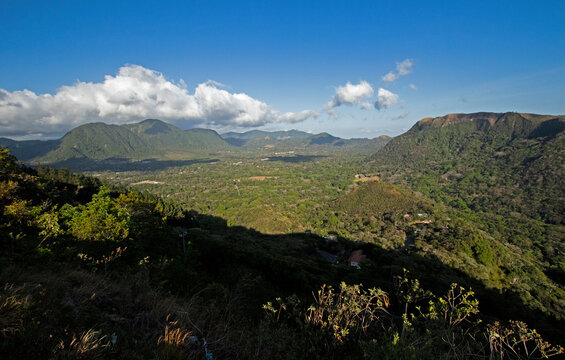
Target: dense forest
{"points": [[413, 253]]}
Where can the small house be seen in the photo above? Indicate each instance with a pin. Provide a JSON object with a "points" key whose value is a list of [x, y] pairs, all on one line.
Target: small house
{"points": [[356, 258]]}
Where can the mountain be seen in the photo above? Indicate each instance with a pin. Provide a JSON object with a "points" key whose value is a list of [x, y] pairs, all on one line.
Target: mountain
{"points": [[103, 144], [29, 149], [511, 158], [322, 139], [100, 141], [260, 138], [457, 135], [97, 141], [169, 137], [260, 134], [501, 175], [298, 139]]}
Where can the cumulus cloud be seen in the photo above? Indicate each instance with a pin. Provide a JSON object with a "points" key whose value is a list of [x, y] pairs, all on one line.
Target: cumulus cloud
{"points": [[135, 93], [385, 99], [402, 68], [413, 87], [351, 94]]}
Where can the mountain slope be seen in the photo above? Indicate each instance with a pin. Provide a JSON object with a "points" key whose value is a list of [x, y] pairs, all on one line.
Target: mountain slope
{"points": [[98, 141], [260, 134], [158, 140], [168, 137], [260, 138], [29, 149], [514, 158], [298, 139]]}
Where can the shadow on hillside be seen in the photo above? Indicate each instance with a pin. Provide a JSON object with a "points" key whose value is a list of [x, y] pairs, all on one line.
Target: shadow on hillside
{"points": [[236, 142], [296, 159], [123, 164], [549, 128], [293, 263]]}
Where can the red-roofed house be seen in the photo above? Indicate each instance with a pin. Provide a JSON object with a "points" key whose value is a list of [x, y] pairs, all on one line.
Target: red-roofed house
{"points": [[356, 258]]}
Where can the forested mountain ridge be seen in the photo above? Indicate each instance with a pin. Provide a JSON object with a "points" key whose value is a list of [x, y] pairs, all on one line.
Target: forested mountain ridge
{"points": [[455, 135], [261, 134], [295, 139], [29, 149], [521, 123], [154, 139], [482, 154], [169, 137], [99, 141]]}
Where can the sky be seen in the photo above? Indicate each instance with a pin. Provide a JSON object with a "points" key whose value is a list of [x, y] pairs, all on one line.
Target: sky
{"points": [[349, 68]]}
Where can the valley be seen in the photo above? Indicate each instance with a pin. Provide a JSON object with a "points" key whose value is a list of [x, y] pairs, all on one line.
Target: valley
{"points": [[471, 199]]}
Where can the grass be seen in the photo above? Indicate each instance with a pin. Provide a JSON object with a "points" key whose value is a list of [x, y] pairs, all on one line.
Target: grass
{"points": [[77, 314]]}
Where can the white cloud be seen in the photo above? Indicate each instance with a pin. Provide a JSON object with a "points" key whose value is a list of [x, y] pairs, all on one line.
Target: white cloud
{"points": [[293, 118], [413, 87], [390, 77], [366, 106], [402, 68], [135, 93], [385, 99], [351, 94]]}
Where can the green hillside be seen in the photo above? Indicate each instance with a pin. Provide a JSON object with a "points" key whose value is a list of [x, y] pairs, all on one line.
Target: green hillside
{"points": [[29, 149], [515, 160], [260, 134], [379, 198], [295, 139], [97, 146], [98, 141], [259, 138], [167, 137]]}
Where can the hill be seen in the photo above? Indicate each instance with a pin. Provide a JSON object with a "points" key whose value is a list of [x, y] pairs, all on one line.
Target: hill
{"points": [[97, 141], [29, 149], [514, 158], [298, 139], [239, 139], [100, 143], [168, 137], [98, 146]]}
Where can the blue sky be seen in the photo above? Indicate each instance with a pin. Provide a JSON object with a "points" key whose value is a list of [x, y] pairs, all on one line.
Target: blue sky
{"points": [[289, 60]]}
